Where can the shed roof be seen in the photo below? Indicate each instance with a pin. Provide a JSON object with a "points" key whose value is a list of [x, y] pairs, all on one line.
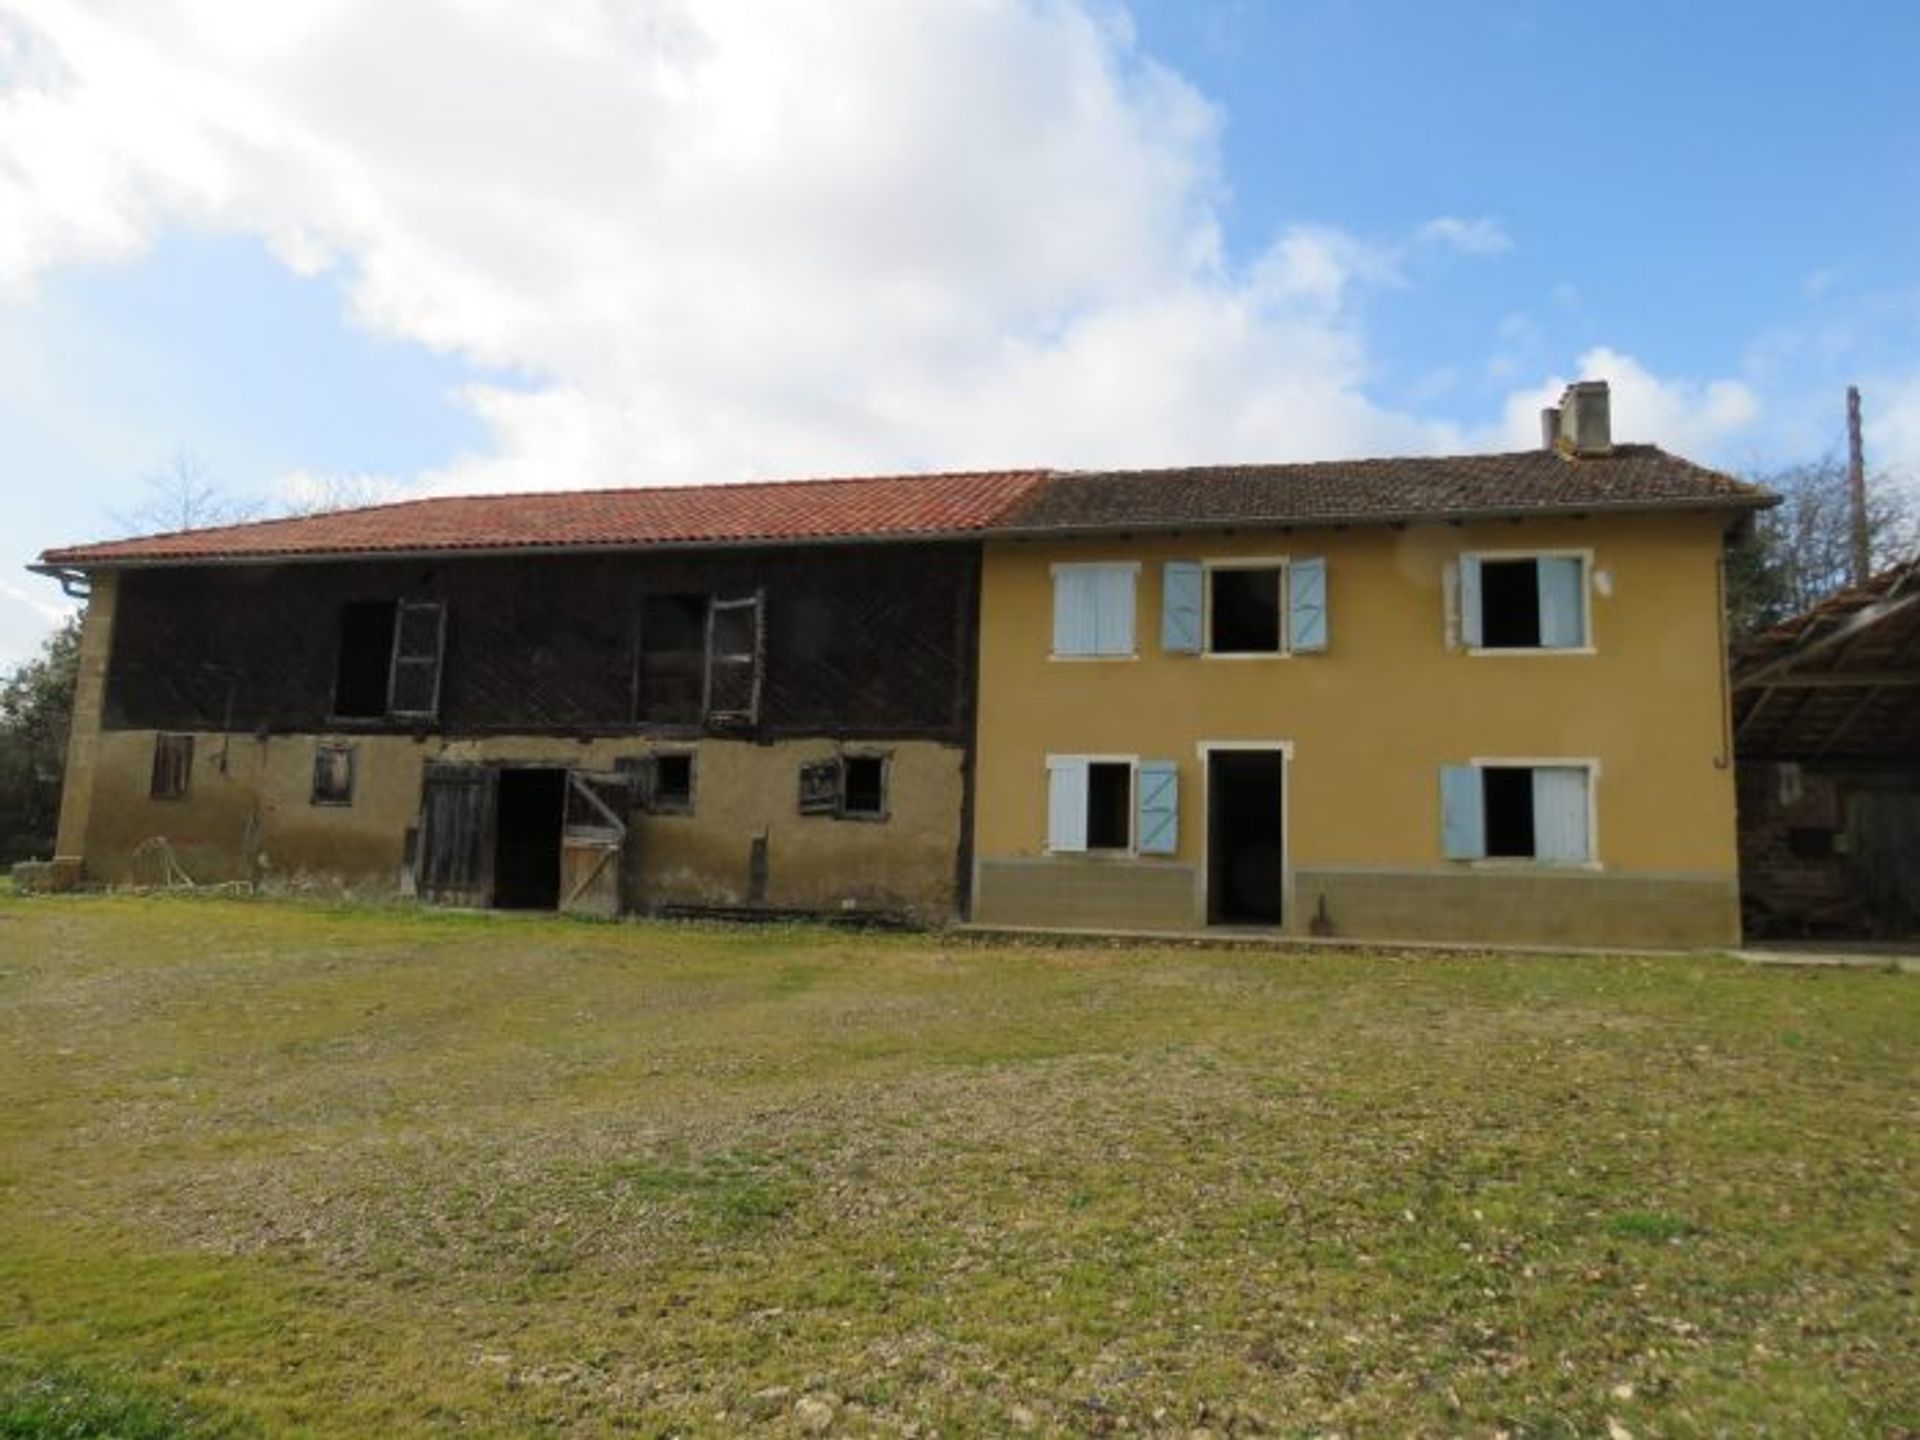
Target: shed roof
{"points": [[1840, 681], [970, 503]]}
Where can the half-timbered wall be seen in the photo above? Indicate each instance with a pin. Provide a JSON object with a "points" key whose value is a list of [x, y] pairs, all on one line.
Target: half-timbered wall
{"points": [[859, 640]]}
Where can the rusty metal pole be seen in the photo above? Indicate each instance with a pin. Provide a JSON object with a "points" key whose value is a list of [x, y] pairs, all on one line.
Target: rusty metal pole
{"points": [[1857, 488]]}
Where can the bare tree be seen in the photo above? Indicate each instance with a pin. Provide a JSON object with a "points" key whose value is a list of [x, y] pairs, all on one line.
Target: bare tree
{"points": [[183, 495], [1802, 550], [319, 494]]}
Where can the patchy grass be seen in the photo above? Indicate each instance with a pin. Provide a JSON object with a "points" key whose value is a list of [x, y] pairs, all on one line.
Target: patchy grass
{"points": [[293, 1169]]}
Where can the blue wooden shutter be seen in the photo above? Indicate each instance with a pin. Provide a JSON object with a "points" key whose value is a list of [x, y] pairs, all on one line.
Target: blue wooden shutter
{"points": [[1470, 601], [1158, 786], [1113, 610], [1181, 583], [1562, 602], [1463, 822], [1560, 812], [1066, 805], [1307, 605], [1075, 630]]}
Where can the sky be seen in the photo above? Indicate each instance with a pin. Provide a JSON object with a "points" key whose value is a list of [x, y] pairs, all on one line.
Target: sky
{"points": [[307, 249]]}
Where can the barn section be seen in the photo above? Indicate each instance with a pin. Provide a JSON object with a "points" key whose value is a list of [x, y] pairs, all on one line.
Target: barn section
{"points": [[1826, 714], [755, 696]]}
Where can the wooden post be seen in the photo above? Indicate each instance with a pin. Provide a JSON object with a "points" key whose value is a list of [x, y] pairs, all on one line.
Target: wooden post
{"points": [[1857, 488]]}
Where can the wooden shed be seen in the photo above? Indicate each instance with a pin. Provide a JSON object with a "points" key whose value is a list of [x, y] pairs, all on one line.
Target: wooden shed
{"points": [[1826, 715]]}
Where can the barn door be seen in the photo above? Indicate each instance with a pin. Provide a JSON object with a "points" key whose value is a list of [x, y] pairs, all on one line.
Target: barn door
{"points": [[592, 843], [454, 858]]}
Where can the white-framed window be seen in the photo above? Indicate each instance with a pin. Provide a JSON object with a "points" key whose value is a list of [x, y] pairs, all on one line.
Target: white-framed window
{"points": [[1112, 804], [1520, 810], [1244, 608], [1526, 601], [1093, 607]]}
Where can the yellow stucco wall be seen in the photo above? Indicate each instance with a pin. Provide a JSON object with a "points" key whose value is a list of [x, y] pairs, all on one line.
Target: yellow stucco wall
{"points": [[1370, 724], [248, 814]]}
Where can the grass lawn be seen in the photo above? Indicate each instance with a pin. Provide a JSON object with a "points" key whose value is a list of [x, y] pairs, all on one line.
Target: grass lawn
{"points": [[282, 1169]]}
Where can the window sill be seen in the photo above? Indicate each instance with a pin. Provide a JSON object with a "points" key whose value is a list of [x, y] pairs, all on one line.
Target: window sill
{"points": [[1246, 654], [1084, 659], [1102, 854], [1480, 652], [1520, 865]]}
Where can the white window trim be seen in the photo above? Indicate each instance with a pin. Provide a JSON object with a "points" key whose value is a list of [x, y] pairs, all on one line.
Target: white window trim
{"points": [[1132, 762], [1282, 563], [1585, 557], [1551, 762], [1132, 567]]}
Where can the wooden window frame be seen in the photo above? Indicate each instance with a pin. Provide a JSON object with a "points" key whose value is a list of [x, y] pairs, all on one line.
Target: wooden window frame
{"points": [[1584, 555], [1105, 852], [172, 766], [1591, 765], [322, 749], [1282, 566]]}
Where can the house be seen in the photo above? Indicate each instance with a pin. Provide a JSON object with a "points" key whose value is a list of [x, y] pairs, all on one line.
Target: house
{"points": [[1827, 731], [1476, 698], [1480, 698], [755, 695]]}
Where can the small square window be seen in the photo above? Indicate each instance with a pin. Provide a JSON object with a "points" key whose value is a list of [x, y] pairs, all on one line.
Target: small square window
{"points": [[172, 766], [672, 784], [863, 787], [332, 775]]}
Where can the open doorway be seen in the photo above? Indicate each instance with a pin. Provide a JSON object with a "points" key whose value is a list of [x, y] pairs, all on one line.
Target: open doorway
{"points": [[530, 810], [1246, 836]]}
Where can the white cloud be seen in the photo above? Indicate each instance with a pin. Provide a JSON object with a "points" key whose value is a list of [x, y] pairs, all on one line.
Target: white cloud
{"points": [[722, 240], [1472, 237], [752, 238], [1691, 418]]}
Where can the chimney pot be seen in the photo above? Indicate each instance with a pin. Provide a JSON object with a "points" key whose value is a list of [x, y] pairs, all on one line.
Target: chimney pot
{"points": [[1586, 422], [1550, 427]]}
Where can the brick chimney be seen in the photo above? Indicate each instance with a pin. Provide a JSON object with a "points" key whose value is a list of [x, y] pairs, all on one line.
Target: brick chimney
{"points": [[1582, 424]]}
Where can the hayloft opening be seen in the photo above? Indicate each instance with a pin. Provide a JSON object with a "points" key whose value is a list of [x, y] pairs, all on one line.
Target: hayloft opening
{"points": [[366, 659]]}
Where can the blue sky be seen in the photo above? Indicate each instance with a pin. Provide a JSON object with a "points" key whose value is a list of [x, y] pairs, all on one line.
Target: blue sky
{"points": [[457, 248]]}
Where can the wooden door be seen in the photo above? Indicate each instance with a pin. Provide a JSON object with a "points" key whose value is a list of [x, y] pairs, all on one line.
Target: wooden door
{"points": [[454, 858], [593, 843]]}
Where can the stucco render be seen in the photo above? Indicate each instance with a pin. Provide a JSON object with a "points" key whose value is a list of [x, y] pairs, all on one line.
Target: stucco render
{"points": [[1369, 724], [249, 816]]}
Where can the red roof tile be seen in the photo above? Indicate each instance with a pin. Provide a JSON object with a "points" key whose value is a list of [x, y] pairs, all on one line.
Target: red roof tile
{"points": [[1632, 477], [883, 506]]}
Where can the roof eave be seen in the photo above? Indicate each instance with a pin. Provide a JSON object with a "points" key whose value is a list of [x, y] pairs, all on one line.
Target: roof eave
{"points": [[1697, 505], [52, 563]]}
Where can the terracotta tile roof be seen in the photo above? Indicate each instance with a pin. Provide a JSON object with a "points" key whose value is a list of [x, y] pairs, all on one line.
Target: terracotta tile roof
{"points": [[1524, 482], [902, 505], [966, 503]]}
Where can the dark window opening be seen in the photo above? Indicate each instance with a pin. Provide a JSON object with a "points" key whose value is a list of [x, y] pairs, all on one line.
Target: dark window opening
{"points": [[332, 775], [1509, 809], [172, 766], [1509, 604], [673, 658], [1109, 806], [530, 809], [1246, 610], [863, 787], [366, 659], [672, 792]]}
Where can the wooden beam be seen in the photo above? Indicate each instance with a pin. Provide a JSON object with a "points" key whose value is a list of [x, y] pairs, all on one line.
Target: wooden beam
{"points": [[1843, 680], [1864, 618]]}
